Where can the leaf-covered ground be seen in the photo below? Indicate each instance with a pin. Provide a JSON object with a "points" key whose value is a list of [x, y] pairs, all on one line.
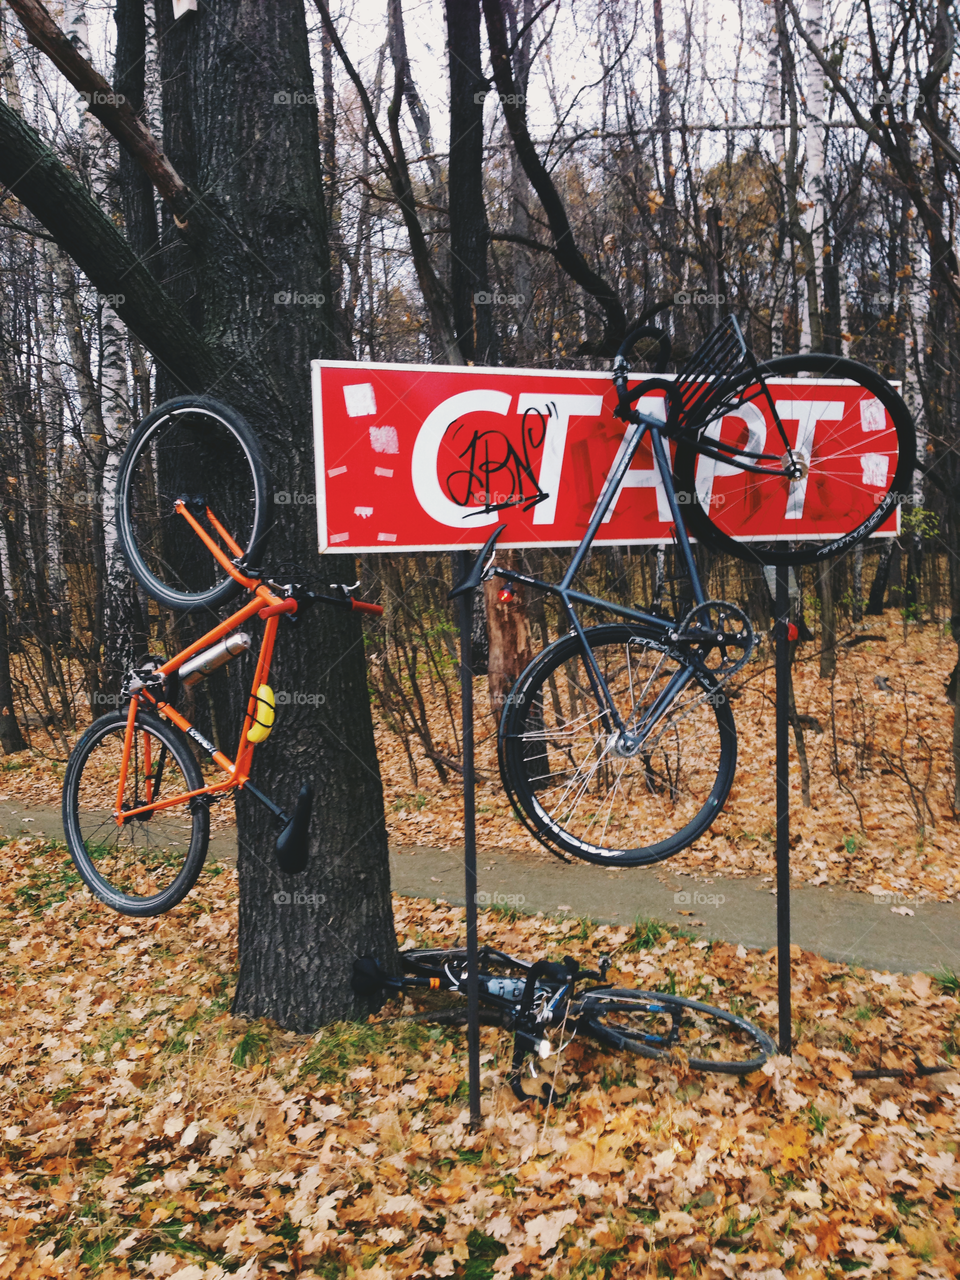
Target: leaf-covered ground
{"points": [[146, 1132]]}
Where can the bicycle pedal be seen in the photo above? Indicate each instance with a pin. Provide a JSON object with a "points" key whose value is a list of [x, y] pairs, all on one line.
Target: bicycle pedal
{"points": [[291, 845]]}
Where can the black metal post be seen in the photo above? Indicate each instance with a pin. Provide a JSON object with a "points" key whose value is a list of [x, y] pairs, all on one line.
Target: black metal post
{"points": [[470, 845], [781, 632]]}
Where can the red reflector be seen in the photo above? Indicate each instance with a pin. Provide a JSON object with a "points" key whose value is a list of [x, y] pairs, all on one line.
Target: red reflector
{"points": [[793, 632]]}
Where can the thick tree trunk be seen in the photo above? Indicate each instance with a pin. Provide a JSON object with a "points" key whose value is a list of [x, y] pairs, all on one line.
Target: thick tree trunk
{"points": [[259, 169]]}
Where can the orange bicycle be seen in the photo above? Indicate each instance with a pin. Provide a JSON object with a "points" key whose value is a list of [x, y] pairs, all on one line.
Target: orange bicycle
{"points": [[136, 808]]}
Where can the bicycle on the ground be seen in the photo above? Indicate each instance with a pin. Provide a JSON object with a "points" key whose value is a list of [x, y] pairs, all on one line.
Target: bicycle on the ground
{"points": [[617, 744], [136, 805], [539, 1002]]}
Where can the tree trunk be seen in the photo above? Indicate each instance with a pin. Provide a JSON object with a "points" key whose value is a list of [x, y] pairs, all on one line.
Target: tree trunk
{"points": [[878, 588], [828, 622], [11, 739], [510, 640], [469, 234], [255, 157]]}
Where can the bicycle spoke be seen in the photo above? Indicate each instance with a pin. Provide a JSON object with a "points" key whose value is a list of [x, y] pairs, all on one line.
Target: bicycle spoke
{"points": [[607, 792]]}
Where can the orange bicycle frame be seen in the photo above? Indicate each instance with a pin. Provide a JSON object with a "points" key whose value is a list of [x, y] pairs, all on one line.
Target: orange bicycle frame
{"points": [[265, 605]]}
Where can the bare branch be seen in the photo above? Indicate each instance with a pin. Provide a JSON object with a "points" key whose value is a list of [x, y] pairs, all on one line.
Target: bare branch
{"points": [[110, 108]]}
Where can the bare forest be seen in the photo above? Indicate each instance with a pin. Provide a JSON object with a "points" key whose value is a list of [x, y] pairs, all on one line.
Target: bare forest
{"points": [[667, 163]]}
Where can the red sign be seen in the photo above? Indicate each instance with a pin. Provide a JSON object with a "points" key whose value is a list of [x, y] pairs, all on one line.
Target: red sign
{"points": [[411, 458]]}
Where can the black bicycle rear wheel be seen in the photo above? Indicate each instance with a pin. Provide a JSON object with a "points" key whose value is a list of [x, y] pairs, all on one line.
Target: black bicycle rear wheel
{"points": [[144, 865], [582, 789], [665, 1027], [203, 451], [857, 445]]}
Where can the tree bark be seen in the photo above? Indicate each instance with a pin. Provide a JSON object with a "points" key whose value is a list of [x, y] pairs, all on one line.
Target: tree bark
{"points": [[136, 189], [11, 738], [828, 622], [511, 646]]}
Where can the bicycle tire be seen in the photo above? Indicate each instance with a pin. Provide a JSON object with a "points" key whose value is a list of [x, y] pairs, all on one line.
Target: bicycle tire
{"points": [[118, 862], [636, 1021], [859, 468], [433, 962], [556, 757], [186, 444]]}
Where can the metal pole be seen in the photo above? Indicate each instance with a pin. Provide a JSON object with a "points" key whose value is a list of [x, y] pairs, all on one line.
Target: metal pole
{"points": [[783, 806], [470, 845]]}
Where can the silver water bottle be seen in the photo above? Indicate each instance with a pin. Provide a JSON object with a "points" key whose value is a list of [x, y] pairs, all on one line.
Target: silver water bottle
{"points": [[201, 664]]}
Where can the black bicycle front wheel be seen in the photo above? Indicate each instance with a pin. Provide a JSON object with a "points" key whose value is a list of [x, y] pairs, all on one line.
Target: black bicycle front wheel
{"points": [[852, 438], [585, 789], [670, 1027], [204, 452], [144, 865]]}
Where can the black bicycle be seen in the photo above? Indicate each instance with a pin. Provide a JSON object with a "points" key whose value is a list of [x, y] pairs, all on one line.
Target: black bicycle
{"points": [[617, 744], [539, 1003]]}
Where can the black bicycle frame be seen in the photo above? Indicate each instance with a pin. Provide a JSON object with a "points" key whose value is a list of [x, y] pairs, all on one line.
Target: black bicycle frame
{"points": [[667, 627]]}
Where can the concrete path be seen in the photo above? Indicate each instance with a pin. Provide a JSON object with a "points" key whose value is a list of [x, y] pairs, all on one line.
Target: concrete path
{"points": [[839, 924]]}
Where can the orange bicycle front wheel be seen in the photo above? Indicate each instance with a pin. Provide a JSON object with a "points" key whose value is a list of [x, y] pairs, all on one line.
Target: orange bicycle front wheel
{"points": [[205, 453], [148, 863]]}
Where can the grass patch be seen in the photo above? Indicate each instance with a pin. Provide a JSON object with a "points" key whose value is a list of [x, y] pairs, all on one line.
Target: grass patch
{"points": [[947, 981]]}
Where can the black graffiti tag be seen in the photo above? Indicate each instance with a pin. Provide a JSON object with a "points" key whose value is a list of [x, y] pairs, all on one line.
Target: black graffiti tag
{"points": [[495, 475]]}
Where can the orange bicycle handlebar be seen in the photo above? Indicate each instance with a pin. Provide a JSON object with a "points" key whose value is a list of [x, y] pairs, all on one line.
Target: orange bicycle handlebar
{"points": [[363, 607]]}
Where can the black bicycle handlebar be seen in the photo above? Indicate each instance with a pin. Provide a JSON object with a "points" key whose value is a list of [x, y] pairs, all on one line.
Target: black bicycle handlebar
{"points": [[632, 338]]}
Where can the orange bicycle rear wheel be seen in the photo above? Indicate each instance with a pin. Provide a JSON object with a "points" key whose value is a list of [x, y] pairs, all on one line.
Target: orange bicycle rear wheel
{"points": [[148, 863]]}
